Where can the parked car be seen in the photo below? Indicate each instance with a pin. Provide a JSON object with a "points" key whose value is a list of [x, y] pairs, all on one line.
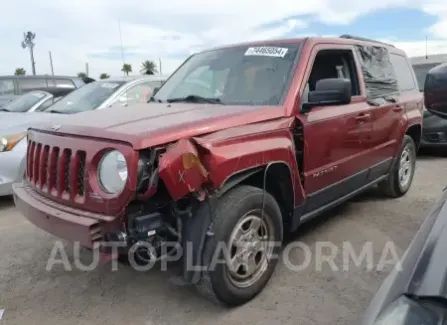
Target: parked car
{"points": [[415, 292], [434, 129], [12, 86], [93, 96], [33, 101], [239, 145]]}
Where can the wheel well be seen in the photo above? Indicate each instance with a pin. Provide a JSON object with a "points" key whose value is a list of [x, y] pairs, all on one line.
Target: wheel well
{"points": [[415, 132], [279, 185]]}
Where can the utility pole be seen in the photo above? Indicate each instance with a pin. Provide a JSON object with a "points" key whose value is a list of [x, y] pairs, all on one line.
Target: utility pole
{"points": [[159, 60], [426, 47], [86, 68], [28, 42], [51, 63]]}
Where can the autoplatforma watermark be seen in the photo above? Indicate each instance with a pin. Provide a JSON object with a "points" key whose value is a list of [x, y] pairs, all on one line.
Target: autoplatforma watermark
{"points": [[317, 256]]}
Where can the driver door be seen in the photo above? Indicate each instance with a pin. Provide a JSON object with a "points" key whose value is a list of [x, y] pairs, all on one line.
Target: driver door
{"points": [[337, 137]]}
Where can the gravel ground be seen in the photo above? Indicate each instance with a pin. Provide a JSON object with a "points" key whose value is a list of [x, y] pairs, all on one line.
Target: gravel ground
{"points": [[315, 295]]}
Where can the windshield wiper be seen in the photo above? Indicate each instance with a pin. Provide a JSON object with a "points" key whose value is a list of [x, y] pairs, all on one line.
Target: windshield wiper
{"points": [[152, 99], [56, 111], [4, 110], [195, 99]]}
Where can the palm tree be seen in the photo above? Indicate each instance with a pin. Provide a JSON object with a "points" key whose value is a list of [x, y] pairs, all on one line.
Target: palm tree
{"points": [[126, 68], [148, 67], [82, 75], [104, 76], [20, 72]]}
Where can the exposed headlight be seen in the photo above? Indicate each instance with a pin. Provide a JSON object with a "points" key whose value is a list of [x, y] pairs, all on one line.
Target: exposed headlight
{"points": [[113, 172], [405, 311], [8, 142]]}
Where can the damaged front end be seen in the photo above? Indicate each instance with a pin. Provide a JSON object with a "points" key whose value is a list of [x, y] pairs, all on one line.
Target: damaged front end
{"points": [[171, 184]]}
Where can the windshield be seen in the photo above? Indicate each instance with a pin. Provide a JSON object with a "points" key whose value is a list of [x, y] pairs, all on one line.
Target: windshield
{"points": [[421, 71], [86, 98], [257, 75], [25, 102]]}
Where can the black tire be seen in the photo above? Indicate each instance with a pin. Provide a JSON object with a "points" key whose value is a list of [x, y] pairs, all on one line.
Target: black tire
{"points": [[392, 186], [231, 207]]}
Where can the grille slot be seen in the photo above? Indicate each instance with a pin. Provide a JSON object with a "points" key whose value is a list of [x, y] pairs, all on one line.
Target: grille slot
{"points": [[57, 171]]}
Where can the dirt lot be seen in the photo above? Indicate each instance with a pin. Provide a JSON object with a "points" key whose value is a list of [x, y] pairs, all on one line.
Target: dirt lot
{"points": [[31, 295]]}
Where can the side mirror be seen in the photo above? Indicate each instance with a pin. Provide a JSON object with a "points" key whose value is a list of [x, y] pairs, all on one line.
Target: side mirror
{"points": [[332, 91], [435, 91]]}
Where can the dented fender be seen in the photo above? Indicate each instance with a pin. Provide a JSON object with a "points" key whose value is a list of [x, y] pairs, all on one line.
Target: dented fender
{"points": [[207, 162]]}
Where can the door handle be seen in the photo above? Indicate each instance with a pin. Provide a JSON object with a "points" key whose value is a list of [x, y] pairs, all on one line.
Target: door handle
{"points": [[363, 116], [398, 108]]}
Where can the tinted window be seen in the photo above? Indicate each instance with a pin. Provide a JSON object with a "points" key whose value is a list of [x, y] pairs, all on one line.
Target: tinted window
{"points": [[25, 102], [243, 75], [31, 83], [87, 97], [6, 87], [64, 83], [402, 68]]}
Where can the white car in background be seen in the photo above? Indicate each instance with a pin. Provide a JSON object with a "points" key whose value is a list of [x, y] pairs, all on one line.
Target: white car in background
{"points": [[96, 95]]}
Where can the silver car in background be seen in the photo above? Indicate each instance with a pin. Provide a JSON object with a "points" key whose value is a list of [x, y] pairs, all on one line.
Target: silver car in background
{"points": [[33, 101], [96, 95]]}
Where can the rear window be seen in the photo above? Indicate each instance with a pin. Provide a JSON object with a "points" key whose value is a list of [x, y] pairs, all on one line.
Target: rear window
{"points": [[25, 102], [248, 75]]}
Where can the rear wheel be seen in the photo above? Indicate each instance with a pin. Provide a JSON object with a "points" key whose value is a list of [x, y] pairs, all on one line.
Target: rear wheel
{"points": [[251, 241], [402, 170]]}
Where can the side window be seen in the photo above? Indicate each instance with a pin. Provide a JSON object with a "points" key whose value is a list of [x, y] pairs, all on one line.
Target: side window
{"points": [[6, 87], [26, 84], [140, 93], [64, 83], [333, 64], [402, 69], [45, 104]]}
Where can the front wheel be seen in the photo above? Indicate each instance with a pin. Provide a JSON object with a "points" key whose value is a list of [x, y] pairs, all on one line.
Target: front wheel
{"points": [[402, 170], [242, 254]]}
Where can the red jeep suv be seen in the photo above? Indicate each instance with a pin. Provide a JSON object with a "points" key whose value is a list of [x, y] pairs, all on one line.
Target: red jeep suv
{"points": [[240, 145]]}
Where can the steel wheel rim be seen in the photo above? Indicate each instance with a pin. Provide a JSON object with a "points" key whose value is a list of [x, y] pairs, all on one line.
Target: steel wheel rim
{"points": [[405, 167], [249, 249]]}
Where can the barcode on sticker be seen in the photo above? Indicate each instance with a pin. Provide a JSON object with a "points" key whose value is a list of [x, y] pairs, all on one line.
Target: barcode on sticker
{"points": [[278, 52]]}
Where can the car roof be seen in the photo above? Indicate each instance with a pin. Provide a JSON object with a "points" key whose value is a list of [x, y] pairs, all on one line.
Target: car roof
{"points": [[39, 77], [133, 78], [343, 39], [429, 59]]}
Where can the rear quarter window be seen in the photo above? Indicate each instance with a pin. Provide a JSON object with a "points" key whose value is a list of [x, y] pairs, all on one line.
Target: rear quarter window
{"points": [[404, 73]]}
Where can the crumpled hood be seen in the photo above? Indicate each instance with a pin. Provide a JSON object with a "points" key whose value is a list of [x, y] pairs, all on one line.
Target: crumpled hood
{"points": [[11, 123], [145, 125]]}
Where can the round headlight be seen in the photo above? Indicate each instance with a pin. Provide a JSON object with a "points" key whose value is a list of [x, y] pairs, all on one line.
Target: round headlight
{"points": [[112, 172], [3, 144]]}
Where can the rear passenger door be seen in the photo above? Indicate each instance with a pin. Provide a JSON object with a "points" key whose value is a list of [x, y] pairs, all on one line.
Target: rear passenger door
{"points": [[388, 116]]}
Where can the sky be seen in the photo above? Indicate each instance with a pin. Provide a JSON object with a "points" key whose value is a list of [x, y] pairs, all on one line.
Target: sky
{"points": [[87, 31]]}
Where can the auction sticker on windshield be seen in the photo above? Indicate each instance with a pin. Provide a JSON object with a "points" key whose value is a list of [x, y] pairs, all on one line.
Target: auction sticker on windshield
{"points": [[279, 52]]}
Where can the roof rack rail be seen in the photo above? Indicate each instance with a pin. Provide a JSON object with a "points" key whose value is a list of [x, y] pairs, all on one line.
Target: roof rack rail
{"points": [[364, 39]]}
